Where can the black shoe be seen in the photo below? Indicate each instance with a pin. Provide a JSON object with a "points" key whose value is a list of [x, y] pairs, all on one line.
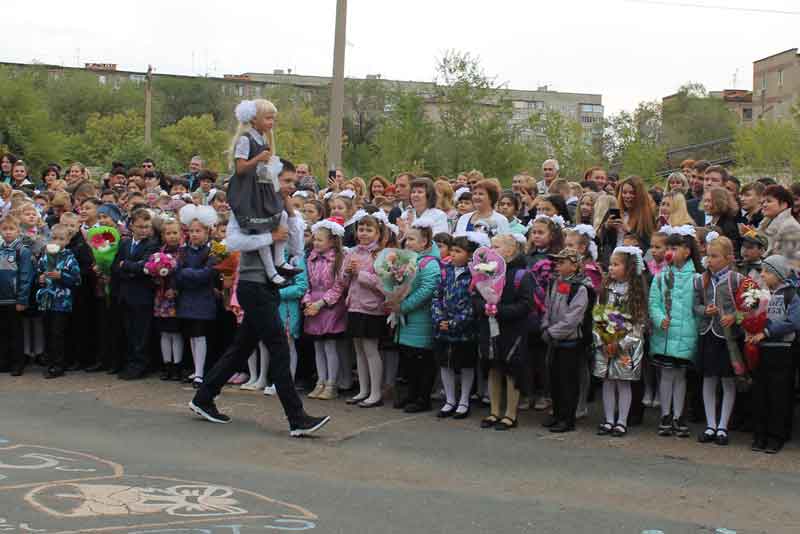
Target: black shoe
{"points": [[681, 428], [307, 426], [461, 415], [707, 436], [166, 371], [280, 282], [96, 368], [619, 431], [759, 444], [605, 429], [54, 372], [722, 437], [550, 422], [131, 374], [417, 408], [506, 423], [561, 427], [18, 370], [400, 403], [365, 404], [287, 270], [446, 413], [665, 426], [77, 366], [208, 411], [114, 370], [489, 421], [774, 446]]}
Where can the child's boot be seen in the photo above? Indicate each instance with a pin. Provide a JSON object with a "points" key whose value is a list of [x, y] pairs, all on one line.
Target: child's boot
{"points": [[329, 392], [315, 393]]}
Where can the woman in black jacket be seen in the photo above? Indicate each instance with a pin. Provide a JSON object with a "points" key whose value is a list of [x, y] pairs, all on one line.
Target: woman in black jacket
{"points": [[717, 202]]}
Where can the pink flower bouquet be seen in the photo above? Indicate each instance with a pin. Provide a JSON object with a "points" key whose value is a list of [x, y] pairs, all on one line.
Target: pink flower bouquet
{"points": [[160, 265], [488, 271]]}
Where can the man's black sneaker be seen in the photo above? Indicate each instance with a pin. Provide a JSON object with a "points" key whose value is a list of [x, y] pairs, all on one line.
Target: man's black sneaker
{"points": [[209, 412], [665, 427], [307, 426], [681, 428]]}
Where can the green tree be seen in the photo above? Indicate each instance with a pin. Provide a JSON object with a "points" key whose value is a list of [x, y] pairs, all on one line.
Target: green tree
{"points": [[692, 116], [403, 140], [559, 136], [105, 135], [176, 98], [768, 147], [365, 104], [633, 141], [192, 136], [301, 137], [25, 124]]}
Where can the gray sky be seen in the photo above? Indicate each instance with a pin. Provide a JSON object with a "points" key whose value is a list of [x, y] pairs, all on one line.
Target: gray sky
{"points": [[626, 51]]}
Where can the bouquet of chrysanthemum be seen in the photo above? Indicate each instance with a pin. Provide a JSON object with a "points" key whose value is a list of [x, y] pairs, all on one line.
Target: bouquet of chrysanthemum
{"points": [[227, 262], [104, 242], [611, 325], [396, 269], [488, 270], [751, 313], [160, 265]]}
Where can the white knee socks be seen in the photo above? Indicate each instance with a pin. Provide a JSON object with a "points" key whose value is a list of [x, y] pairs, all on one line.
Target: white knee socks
{"points": [[710, 401], [672, 391], [449, 385], [375, 363], [467, 379], [198, 345], [622, 390], [266, 255], [363, 370], [172, 347]]}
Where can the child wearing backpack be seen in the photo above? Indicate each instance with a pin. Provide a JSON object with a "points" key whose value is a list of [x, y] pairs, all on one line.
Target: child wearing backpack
{"points": [[545, 237], [773, 377], [454, 325], [715, 308], [620, 362], [674, 326], [17, 273], [568, 300], [505, 356]]}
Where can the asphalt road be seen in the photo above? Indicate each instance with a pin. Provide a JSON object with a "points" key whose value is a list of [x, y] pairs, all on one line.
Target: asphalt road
{"points": [[93, 454]]}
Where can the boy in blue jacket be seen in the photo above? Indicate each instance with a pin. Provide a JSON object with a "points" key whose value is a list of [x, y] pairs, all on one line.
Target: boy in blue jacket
{"points": [[16, 277], [59, 275]]}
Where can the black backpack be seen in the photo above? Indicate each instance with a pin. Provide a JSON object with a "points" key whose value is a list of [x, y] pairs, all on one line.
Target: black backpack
{"points": [[586, 338]]}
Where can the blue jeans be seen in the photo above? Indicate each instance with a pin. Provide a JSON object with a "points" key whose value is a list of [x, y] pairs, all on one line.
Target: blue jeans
{"points": [[262, 322]]}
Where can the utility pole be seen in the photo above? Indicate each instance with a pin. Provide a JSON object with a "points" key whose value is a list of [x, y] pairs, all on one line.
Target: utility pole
{"points": [[337, 88], [148, 105]]}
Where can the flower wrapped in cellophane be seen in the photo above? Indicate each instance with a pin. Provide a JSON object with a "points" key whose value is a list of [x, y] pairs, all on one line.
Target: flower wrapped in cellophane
{"points": [[396, 269], [751, 314], [488, 270]]}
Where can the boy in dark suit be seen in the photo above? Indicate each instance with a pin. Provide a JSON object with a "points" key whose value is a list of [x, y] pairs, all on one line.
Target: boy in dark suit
{"points": [[136, 291]]}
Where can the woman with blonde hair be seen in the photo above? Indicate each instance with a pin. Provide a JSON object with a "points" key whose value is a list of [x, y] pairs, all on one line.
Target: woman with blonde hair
{"points": [[677, 181], [673, 210], [444, 201], [358, 185], [602, 204]]}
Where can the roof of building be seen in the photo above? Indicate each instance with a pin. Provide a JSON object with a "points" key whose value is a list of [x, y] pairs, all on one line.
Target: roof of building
{"points": [[775, 55]]}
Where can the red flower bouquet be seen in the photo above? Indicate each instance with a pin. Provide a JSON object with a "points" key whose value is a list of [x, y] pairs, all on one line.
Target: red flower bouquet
{"points": [[751, 314]]}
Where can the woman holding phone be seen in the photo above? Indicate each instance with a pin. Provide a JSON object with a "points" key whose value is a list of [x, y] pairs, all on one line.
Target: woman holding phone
{"points": [[635, 214]]}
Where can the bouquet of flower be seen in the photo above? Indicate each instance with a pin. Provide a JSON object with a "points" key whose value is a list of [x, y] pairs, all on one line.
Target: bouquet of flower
{"points": [[396, 269], [51, 250], [226, 262], [751, 313], [488, 271], [104, 242], [611, 325], [160, 265]]}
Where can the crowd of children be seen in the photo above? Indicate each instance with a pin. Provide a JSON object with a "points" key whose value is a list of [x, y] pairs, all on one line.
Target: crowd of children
{"points": [[654, 320]]}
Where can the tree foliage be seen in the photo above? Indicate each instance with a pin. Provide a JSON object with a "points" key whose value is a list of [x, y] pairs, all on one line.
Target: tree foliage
{"points": [[769, 147], [193, 136]]}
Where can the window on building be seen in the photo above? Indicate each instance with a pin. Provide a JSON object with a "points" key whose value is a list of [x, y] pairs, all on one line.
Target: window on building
{"points": [[747, 114], [764, 82], [137, 78], [587, 108], [780, 78]]}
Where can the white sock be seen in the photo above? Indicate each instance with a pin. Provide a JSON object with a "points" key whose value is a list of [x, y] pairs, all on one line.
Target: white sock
{"points": [[392, 361], [262, 374], [332, 359], [166, 347], [609, 400], [679, 392], [728, 401], [467, 379], [375, 363], [321, 361], [665, 390], [449, 384], [363, 369], [625, 396], [279, 249], [292, 356], [710, 400], [198, 345], [265, 254], [177, 347], [252, 368]]}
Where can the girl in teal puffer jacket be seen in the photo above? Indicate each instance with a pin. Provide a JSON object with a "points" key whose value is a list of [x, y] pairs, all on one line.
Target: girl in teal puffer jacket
{"points": [[674, 326], [415, 334]]}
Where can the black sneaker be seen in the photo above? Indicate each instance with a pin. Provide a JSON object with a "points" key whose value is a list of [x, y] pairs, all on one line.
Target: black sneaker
{"points": [[759, 444], [774, 446], [665, 427], [209, 412], [681, 427], [307, 426]]}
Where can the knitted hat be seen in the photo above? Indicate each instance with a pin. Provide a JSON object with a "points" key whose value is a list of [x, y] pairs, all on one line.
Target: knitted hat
{"points": [[111, 210], [778, 265]]}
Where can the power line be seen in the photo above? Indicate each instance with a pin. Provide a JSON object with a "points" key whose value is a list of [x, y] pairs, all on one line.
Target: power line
{"points": [[716, 7]]}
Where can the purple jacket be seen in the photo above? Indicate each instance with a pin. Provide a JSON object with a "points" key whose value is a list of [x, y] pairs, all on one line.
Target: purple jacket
{"points": [[365, 294], [322, 284]]}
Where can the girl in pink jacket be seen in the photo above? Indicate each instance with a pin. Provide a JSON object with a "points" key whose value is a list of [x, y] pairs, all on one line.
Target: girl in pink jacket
{"points": [[323, 306], [366, 320]]}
